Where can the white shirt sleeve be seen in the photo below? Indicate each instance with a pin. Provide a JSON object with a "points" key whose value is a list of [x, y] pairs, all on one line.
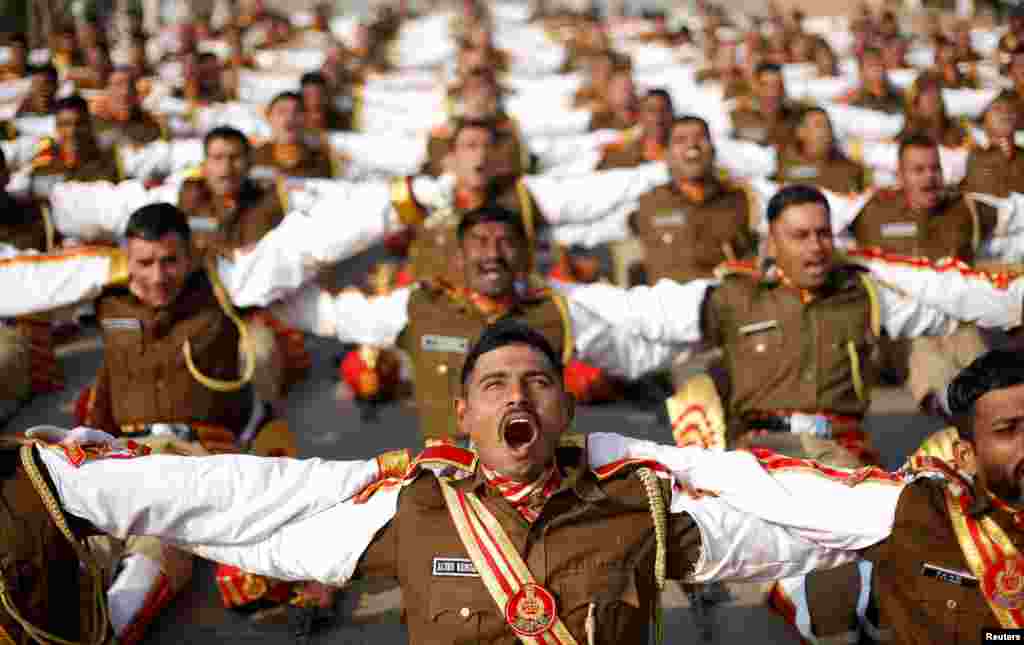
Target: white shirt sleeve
{"points": [[349, 316], [1006, 243], [617, 349], [904, 316], [946, 287], [33, 282], [667, 313], [565, 200], [100, 210], [222, 499]]}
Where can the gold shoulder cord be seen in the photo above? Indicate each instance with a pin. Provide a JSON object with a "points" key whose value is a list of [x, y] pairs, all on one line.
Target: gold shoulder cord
{"points": [[99, 605], [218, 385], [660, 517], [51, 231]]}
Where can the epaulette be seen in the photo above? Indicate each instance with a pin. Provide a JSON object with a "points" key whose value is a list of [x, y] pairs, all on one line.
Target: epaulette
{"points": [[747, 268], [45, 153], [611, 469], [441, 131], [397, 469]]}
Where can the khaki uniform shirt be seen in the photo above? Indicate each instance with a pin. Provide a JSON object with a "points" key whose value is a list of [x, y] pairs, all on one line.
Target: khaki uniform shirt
{"points": [[891, 102], [216, 228], [783, 354], [22, 224], [144, 378], [101, 164], [593, 542], [956, 228], [141, 129], [990, 171], [837, 173], [39, 566], [603, 120], [510, 156], [734, 87], [952, 135], [917, 608], [310, 159], [443, 325], [684, 240], [435, 241], [630, 151], [750, 124]]}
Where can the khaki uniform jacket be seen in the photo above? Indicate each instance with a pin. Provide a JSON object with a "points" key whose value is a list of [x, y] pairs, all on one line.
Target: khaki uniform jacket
{"points": [[782, 354], [39, 566], [436, 242], [144, 378], [102, 164], [921, 609], [22, 224], [684, 240], [956, 229], [990, 172], [890, 103], [215, 228], [750, 124], [838, 174], [603, 120], [141, 129], [443, 325], [594, 542], [510, 156], [734, 87], [629, 152], [311, 161]]}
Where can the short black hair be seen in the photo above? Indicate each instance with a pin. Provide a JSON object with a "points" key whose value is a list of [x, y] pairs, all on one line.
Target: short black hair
{"points": [[773, 68], [45, 70], [916, 140], [490, 213], [510, 331], [661, 93], [73, 102], [795, 195], [995, 370], [18, 38], [692, 118], [227, 133], [154, 221], [206, 56], [286, 96], [313, 78]]}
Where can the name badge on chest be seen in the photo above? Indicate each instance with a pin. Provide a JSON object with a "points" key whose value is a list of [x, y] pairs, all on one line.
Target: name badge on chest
{"points": [[454, 567], [674, 218], [203, 224], [263, 173], [802, 172], [447, 344], [960, 578], [754, 134], [899, 230], [755, 328], [121, 324]]}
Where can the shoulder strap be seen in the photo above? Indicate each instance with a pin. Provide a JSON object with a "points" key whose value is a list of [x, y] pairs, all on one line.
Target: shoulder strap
{"points": [[244, 342]]}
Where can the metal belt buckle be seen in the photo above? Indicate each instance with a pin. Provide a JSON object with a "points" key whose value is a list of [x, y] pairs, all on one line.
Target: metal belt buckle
{"points": [[813, 424]]}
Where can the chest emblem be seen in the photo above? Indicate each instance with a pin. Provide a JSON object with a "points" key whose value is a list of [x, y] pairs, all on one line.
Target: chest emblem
{"points": [[1004, 584], [802, 172], [531, 611]]}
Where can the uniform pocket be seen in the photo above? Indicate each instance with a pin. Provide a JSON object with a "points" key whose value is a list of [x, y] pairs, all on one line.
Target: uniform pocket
{"points": [[462, 609]]}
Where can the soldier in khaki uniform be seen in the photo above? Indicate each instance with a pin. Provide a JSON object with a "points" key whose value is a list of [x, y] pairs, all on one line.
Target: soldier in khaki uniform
{"points": [[765, 117], [998, 168], [923, 219], [320, 110], [725, 70], [226, 208], [118, 116], [875, 91], [292, 151], [926, 113], [599, 66], [647, 140], [75, 153], [479, 100], [619, 111], [695, 222], [42, 92], [813, 158]]}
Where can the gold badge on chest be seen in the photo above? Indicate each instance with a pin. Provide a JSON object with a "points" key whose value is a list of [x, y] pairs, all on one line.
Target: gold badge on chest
{"points": [[1004, 583], [531, 611]]}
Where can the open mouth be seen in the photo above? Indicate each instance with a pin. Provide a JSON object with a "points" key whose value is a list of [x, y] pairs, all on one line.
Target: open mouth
{"points": [[693, 154], [519, 430]]}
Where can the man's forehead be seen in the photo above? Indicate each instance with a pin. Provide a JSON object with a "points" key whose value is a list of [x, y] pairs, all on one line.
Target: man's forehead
{"points": [[1004, 402], [169, 244], [512, 358]]}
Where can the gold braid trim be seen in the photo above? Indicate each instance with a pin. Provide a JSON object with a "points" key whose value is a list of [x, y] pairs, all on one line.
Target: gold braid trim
{"points": [[660, 517], [51, 231], [244, 342], [99, 608]]}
